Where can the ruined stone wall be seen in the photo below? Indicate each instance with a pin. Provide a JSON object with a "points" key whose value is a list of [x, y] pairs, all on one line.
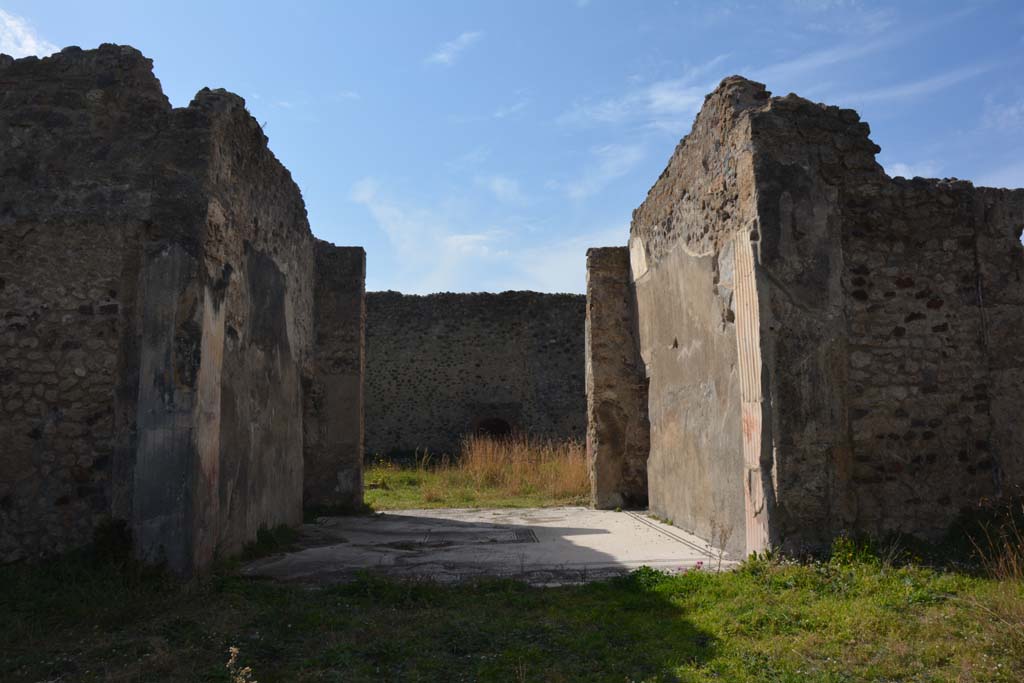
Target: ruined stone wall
{"points": [[839, 348], [438, 366], [74, 199], [333, 428], [935, 308], [808, 158], [683, 251], [618, 432], [999, 216], [259, 269], [877, 323], [177, 332]]}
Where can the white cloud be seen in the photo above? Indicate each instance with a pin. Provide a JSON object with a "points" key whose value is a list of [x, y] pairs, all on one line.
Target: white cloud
{"points": [[432, 248], [665, 105], [443, 247], [923, 169], [347, 95], [470, 244], [922, 87], [504, 189], [19, 39], [561, 266], [449, 52], [610, 162]]}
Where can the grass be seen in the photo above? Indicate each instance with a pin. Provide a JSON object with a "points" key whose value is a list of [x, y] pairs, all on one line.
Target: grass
{"points": [[852, 618], [516, 471]]}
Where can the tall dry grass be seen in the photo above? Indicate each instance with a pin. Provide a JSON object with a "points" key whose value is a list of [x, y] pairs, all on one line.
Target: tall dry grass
{"points": [[1000, 549], [513, 466], [520, 464], [1000, 546]]}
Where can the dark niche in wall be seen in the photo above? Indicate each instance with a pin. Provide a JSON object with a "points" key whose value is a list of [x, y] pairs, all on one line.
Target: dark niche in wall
{"points": [[493, 427]]}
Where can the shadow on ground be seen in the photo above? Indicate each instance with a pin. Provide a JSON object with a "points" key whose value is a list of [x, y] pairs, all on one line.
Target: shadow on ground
{"points": [[85, 621], [542, 546]]}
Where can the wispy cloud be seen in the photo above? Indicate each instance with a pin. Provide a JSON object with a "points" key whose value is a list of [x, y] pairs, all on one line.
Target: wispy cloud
{"points": [[787, 71], [819, 5], [511, 109], [845, 17], [504, 189], [561, 265], [819, 59], [920, 87], [470, 159], [609, 162], [1003, 115], [924, 169], [19, 39], [347, 95], [445, 248], [449, 52], [431, 247], [666, 104]]}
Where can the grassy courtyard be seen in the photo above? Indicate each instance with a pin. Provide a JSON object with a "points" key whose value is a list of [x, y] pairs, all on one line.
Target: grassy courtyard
{"points": [[851, 618]]}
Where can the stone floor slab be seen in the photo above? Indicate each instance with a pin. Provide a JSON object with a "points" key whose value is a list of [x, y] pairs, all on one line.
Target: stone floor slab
{"points": [[543, 546]]}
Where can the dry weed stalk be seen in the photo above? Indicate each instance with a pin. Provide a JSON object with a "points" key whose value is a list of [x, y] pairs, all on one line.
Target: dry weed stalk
{"points": [[1000, 550], [238, 675]]}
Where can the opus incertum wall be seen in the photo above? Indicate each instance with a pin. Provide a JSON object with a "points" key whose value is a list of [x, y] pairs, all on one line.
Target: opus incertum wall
{"points": [[828, 349], [444, 365], [156, 314]]}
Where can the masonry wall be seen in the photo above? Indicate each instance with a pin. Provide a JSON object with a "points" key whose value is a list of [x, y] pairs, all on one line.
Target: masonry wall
{"points": [[439, 366], [618, 432], [177, 333], [884, 393], [258, 272], [935, 313], [333, 435], [808, 159], [829, 349], [683, 248], [71, 215]]}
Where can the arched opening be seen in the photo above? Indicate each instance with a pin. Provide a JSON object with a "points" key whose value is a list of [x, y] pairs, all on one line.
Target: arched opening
{"points": [[494, 427]]}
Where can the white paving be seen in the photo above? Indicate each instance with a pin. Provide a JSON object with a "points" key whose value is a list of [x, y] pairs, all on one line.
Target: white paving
{"points": [[544, 546]]}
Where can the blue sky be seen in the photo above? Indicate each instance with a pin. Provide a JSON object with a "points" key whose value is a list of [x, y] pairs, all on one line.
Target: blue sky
{"points": [[483, 146]]}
